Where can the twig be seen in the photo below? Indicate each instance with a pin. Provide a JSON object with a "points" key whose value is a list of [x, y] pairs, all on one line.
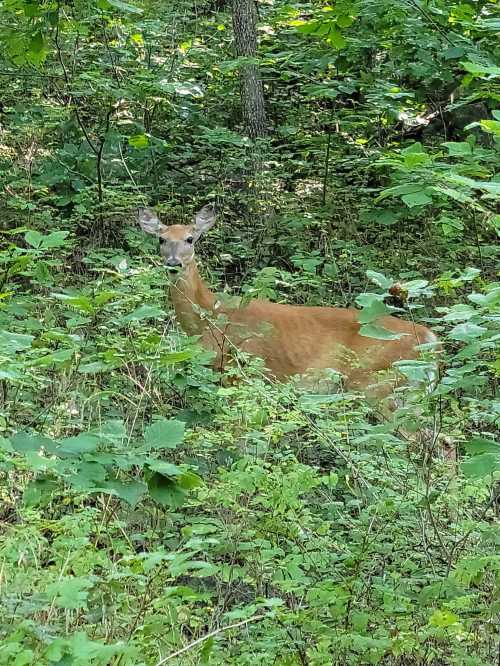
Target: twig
{"points": [[204, 638]]}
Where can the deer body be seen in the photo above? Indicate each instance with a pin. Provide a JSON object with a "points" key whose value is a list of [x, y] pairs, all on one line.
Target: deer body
{"points": [[291, 340], [294, 340]]}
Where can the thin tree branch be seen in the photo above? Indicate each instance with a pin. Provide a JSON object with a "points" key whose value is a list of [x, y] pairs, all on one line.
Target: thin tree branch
{"points": [[204, 638]]}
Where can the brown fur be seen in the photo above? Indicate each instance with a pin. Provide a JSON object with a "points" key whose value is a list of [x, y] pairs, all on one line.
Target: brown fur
{"points": [[291, 339]]}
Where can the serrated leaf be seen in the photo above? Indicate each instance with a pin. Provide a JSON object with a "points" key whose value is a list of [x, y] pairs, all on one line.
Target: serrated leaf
{"points": [[70, 593]]}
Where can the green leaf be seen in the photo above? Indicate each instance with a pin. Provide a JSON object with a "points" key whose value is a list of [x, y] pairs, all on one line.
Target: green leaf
{"points": [[419, 198], [189, 480], [479, 445], [466, 331], [481, 465], [39, 492], [11, 343], [131, 491], [336, 39], [123, 6], [23, 442], [164, 434], [70, 593], [170, 358], [379, 279], [491, 126], [443, 618], [38, 240], [373, 308], [165, 491], [33, 238], [378, 332], [164, 467], [458, 148], [139, 141], [85, 442], [480, 69], [144, 312]]}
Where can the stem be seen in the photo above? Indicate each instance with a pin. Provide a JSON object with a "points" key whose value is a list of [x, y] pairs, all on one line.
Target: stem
{"points": [[204, 638], [327, 165]]}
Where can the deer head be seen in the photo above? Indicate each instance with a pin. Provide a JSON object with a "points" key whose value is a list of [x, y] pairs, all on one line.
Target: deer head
{"points": [[177, 241]]}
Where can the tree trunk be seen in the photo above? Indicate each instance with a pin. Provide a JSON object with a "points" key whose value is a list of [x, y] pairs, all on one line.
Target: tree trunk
{"points": [[251, 89]]}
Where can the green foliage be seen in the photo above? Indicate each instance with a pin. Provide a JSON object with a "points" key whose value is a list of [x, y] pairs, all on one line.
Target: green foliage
{"points": [[151, 509]]}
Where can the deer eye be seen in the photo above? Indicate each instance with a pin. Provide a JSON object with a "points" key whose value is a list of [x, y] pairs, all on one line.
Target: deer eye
{"points": [[189, 240]]}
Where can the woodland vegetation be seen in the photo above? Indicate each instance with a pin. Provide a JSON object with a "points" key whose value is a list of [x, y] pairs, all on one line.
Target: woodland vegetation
{"points": [[153, 512]]}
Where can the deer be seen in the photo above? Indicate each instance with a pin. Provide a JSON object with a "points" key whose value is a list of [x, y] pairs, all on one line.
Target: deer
{"points": [[291, 340]]}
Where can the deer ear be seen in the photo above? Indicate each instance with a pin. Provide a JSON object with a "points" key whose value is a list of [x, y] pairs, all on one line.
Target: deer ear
{"points": [[149, 221], [204, 220]]}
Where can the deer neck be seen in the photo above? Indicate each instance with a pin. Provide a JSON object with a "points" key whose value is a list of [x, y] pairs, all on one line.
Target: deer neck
{"points": [[189, 293]]}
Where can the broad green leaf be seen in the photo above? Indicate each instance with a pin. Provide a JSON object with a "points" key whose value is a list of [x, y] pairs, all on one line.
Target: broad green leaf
{"points": [[139, 141], [170, 358], [420, 198], [23, 442], [14, 342], [466, 331], [79, 302], [144, 312], [129, 491], [123, 6], [33, 238], [39, 492], [189, 480], [481, 465], [113, 431], [94, 367], [379, 279], [417, 371], [372, 309], [70, 593], [478, 445], [164, 434], [164, 467], [378, 332], [165, 491], [85, 442], [479, 69], [56, 358], [443, 618], [458, 148]]}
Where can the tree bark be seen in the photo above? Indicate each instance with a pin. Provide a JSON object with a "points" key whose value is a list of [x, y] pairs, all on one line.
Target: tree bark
{"points": [[251, 89]]}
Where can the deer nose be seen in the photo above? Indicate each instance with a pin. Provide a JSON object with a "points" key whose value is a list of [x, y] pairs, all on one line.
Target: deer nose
{"points": [[172, 262]]}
